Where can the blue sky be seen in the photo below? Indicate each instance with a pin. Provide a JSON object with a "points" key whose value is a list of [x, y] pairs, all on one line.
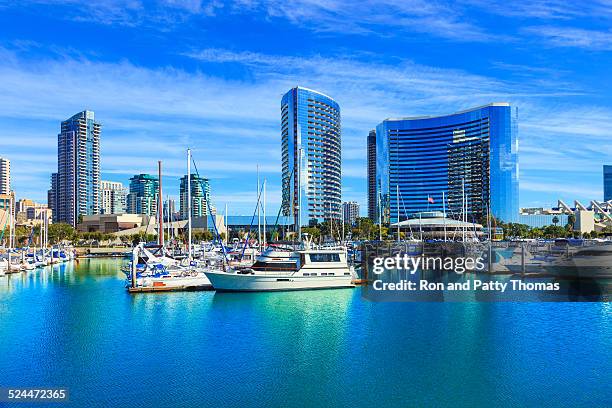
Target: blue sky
{"points": [[164, 75]]}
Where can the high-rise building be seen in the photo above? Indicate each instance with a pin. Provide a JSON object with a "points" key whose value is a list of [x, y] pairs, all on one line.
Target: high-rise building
{"points": [[372, 176], [142, 198], [77, 189], [5, 175], [607, 182], [200, 196], [113, 200], [471, 154], [52, 196], [311, 156], [170, 209], [350, 210]]}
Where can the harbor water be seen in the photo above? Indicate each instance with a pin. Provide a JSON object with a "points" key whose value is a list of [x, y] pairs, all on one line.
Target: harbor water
{"points": [[75, 326]]}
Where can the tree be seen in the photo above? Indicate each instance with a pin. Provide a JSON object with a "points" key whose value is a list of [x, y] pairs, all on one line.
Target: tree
{"points": [[571, 221], [364, 228], [554, 231], [313, 232], [555, 220], [61, 231]]}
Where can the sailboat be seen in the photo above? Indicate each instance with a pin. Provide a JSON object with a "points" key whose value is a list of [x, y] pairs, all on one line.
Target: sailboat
{"points": [[163, 272]]}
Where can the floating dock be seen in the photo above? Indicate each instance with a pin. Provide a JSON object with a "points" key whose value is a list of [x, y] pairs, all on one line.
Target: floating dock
{"points": [[148, 289]]}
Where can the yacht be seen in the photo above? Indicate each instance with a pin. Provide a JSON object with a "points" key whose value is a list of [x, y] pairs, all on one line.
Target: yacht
{"points": [[278, 270]]}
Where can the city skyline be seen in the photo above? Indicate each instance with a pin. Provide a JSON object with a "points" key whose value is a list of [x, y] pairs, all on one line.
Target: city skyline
{"points": [[222, 99]]}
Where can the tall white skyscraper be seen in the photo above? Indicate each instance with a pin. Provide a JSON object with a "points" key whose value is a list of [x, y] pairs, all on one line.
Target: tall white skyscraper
{"points": [[78, 169], [5, 175]]}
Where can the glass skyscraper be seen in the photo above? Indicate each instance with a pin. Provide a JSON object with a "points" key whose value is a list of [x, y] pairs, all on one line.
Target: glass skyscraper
{"points": [[142, 198], [607, 181], [78, 168], [200, 196], [372, 176], [471, 154], [311, 150]]}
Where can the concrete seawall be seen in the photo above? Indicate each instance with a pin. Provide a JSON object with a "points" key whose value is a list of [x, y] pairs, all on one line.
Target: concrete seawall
{"points": [[87, 251]]}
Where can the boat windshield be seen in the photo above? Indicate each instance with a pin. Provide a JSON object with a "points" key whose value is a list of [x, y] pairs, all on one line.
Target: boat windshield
{"points": [[274, 266], [324, 257]]}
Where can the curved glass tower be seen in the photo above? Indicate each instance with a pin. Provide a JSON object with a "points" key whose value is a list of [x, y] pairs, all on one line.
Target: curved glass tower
{"points": [[471, 154], [311, 144]]}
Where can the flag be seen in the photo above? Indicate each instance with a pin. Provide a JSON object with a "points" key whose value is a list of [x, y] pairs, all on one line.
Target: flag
{"points": [[430, 199]]}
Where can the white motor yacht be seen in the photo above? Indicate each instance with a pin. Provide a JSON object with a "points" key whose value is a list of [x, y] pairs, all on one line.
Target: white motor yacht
{"points": [[279, 270]]}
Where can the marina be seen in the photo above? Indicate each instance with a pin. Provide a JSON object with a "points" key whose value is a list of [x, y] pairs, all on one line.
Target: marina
{"points": [[67, 322], [305, 204]]}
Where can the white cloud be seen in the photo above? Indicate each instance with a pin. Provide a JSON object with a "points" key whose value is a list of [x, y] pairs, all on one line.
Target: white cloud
{"points": [[573, 37], [150, 114]]}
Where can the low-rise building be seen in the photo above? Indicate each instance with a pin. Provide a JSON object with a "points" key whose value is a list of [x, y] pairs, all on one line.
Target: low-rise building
{"points": [[178, 228], [586, 218], [434, 224], [110, 223]]}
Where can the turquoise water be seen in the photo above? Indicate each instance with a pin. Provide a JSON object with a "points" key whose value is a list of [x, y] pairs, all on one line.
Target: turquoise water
{"points": [[77, 327]]}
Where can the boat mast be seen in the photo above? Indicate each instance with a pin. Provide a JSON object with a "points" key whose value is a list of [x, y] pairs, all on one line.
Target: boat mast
{"points": [[258, 213], [398, 214], [226, 227], [10, 240], [168, 215], [379, 218], [299, 195], [421, 225], [331, 222], [463, 215], [264, 213], [160, 209], [342, 221], [444, 212], [189, 202]]}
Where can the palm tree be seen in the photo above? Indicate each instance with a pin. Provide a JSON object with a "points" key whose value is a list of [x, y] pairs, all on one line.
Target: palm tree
{"points": [[571, 220], [555, 220]]}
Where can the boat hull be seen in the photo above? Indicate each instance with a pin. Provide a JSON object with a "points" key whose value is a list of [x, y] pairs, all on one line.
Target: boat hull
{"points": [[232, 282], [198, 281]]}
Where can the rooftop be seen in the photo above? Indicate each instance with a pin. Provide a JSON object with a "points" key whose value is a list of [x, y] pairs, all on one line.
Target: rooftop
{"points": [[449, 114]]}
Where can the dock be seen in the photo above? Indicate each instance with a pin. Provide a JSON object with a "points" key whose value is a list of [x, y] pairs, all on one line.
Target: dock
{"points": [[358, 282], [149, 289]]}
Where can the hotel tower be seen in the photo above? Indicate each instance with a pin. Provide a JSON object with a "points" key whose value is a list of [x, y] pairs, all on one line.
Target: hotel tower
{"points": [[433, 163], [311, 157]]}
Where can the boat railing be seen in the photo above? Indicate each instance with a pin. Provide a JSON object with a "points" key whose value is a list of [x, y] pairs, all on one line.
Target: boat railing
{"points": [[267, 271]]}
